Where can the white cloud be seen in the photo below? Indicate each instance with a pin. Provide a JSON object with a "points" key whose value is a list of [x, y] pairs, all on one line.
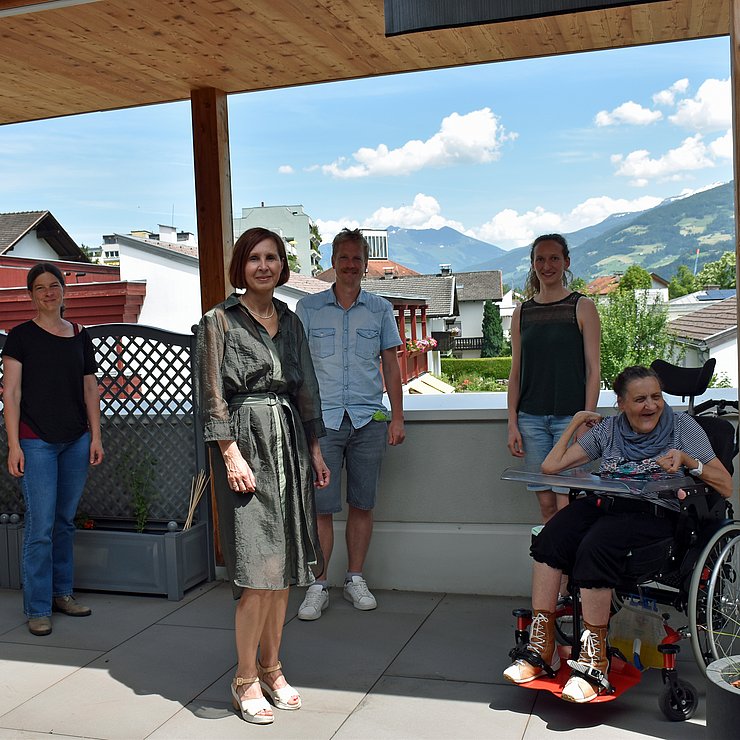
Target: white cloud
{"points": [[630, 113], [462, 139], [709, 110], [722, 147], [594, 210], [330, 228], [285, 169], [692, 154], [424, 213], [668, 97], [509, 228]]}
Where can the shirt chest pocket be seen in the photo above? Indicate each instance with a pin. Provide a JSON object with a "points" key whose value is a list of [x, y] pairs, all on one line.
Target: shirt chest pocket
{"points": [[368, 343], [321, 342]]}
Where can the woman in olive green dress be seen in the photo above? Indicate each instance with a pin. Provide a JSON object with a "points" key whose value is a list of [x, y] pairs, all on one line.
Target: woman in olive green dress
{"points": [[261, 412]]}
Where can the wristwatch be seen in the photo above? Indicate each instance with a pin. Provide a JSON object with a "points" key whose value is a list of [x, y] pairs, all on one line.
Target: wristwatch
{"points": [[697, 471]]}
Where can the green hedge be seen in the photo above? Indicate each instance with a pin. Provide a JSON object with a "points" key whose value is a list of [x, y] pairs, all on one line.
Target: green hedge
{"points": [[488, 367]]}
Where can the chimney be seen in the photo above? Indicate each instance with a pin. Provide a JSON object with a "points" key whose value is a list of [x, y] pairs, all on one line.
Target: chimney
{"points": [[445, 270], [387, 273]]}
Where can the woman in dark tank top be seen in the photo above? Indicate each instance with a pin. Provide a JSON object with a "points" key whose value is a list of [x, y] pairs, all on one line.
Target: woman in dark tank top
{"points": [[555, 366]]}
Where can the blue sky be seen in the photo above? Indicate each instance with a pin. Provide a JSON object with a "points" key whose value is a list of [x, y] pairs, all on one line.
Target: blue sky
{"points": [[501, 151]]}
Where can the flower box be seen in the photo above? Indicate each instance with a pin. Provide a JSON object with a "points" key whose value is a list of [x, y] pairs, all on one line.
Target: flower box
{"points": [[11, 547], [163, 562], [167, 563]]}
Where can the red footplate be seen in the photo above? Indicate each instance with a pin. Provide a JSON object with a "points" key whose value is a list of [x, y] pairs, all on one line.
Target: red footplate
{"points": [[622, 676]]}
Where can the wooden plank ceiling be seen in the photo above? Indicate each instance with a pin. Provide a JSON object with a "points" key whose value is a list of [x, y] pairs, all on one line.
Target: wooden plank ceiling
{"points": [[120, 53]]}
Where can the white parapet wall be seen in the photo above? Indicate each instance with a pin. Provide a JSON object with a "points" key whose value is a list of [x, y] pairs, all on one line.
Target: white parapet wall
{"points": [[445, 521]]}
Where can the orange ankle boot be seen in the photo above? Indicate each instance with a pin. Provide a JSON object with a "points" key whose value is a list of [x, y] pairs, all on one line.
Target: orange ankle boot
{"points": [[542, 650], [589, 677]]}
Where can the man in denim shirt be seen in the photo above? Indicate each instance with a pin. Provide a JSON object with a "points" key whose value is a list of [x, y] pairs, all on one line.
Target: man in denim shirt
{"points": [[349, 332]]}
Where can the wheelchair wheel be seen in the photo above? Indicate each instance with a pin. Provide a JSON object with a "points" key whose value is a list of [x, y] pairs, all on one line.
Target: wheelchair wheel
{"points": [[679, 704], [714, 598]]}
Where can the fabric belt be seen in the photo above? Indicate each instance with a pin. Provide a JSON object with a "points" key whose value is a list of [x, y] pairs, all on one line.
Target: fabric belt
{"points": [[258, 399], [616, 505]]}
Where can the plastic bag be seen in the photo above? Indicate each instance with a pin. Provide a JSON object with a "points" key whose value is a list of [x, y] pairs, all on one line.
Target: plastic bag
{"points": [[637, 630]]}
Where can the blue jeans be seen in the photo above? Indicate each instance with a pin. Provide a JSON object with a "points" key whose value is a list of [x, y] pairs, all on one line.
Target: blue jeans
{"points": [[539, 435], [361, 450], [55, 475]]}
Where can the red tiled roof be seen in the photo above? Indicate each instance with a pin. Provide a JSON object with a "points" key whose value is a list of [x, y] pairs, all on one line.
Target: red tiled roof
{"points": [[376, 269], [603, 285]]}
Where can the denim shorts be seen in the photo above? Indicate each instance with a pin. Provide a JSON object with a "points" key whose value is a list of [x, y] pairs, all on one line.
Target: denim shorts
{"points": [[361, 452], [539, 435]]}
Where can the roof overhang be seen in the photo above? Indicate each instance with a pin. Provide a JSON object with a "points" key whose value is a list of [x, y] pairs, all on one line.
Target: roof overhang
{"points": [[76, 57]]}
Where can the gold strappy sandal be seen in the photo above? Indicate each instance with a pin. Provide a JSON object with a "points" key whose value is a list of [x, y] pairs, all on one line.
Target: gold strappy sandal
{"points": [[279, 697], [250, 708]]}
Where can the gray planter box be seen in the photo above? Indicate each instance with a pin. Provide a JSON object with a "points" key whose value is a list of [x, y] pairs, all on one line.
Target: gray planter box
{"points": [[144, 563], [11, 547]]}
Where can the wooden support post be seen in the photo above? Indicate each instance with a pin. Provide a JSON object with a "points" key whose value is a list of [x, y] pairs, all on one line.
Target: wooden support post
{"points": [[210, 119], [212, 193]]}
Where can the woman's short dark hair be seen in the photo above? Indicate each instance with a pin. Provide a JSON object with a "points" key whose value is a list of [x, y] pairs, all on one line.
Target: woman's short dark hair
{"points": [[634, 372], [243, 248], [532, 284], [40, 269]]}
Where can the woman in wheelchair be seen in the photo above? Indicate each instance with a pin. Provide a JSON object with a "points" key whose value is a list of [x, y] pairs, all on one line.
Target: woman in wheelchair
{"points": [[590, 540]]}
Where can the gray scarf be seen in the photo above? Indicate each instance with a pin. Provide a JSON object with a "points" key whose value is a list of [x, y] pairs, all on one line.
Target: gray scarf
{"points": [[635, 446]]}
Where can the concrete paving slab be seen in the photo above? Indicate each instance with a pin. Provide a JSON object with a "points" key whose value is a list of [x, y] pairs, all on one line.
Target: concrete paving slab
{"points": [[27, 670], [115, 618], [28, 735], [133, 689], [213, 608], [634, 714], [11, 610], [466, 638], [421, 708], [213, 720]]}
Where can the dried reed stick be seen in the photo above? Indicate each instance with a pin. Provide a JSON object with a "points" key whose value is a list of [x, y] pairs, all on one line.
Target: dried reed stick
{"points": [[197, 486]]}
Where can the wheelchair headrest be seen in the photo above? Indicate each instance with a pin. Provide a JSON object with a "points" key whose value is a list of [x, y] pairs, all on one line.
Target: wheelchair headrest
{"points": [[684, 381]]}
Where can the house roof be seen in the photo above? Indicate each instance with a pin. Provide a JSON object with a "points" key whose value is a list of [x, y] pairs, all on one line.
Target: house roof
{"points": [[186, 252], [14, 226], [706, 323], [479, 286], [603, 285], [306, 283], [376, 270], [716, 295], [439, 291], [62, 58]]}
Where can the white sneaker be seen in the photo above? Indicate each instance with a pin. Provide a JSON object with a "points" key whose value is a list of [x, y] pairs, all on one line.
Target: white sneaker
{"points": [[316, 600], [359, 594]]}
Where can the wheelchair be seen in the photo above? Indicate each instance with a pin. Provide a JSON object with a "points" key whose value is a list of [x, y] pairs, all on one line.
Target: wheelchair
{"points": [[696, 572]]}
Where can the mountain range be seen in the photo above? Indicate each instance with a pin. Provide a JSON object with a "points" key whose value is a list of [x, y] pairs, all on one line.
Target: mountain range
{"points": [[658, 239]]}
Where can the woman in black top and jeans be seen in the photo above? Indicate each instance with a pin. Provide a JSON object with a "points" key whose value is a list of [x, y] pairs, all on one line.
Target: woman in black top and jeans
{"points": [[52, 417], [555, 365]]}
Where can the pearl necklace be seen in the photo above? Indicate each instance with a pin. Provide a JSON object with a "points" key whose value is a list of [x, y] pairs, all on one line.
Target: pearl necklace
{"points": [[258, 315]]}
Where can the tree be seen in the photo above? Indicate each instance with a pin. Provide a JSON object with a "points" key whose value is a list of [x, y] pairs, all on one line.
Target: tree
{"points": [[682, 283], [635, 278], [633, 332], [315, 249], [720, 273], [493, 332], [578, 284]]}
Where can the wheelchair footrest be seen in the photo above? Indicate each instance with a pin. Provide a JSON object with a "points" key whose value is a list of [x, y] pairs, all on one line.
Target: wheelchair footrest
{"points": [[622, 676]]}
